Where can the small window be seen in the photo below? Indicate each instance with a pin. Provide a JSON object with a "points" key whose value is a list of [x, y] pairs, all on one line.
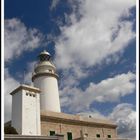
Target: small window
{"points": [[33, 95], [30, 94], [109, 136], [98, 135], [26, 94], [69, 136], [50, 70], [52, 133]]}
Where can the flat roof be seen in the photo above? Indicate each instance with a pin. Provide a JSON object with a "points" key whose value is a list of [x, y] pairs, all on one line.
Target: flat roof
{"points": [[26, 87], [76, 119]]}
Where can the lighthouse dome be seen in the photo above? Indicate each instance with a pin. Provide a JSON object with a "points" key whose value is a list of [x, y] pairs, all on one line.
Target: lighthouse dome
{"points": [[45, 64]]}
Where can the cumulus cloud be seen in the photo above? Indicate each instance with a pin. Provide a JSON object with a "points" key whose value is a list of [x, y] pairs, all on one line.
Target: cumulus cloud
{"points": [[125, 117], [98, 34], [9, 85], [108, 90], [18, 38]]}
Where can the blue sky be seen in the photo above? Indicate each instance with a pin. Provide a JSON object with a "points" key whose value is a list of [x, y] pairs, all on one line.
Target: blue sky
{"points": [[93, 46]]}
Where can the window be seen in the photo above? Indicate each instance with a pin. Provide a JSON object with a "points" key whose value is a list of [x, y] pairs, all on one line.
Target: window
{"points": [[26, 94], [98, 135], [109, 136], [69, 135], [33, 95], [52, 133]]}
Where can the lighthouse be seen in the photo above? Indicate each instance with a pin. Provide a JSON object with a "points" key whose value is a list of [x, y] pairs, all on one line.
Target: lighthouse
{"points": [[46, 79], [36, 110]]}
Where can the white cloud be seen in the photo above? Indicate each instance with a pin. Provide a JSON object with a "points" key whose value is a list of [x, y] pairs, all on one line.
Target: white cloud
{"points": [[125, 117], [98, 34], [18, 38], [54, 4], [9, 85], [108, 90]]}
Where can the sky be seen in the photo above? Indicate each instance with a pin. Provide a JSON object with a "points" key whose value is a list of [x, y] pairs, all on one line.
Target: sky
{"points": [[93, 45]]}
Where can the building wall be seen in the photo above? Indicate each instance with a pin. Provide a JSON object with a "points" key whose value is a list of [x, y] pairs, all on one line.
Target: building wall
{"points": [[26, 112], [76, 129], [17, 111], [31, 113]]}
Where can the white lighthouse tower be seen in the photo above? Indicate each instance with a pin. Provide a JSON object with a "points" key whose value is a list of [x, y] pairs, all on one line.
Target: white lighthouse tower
{"points": [[45, 78]]}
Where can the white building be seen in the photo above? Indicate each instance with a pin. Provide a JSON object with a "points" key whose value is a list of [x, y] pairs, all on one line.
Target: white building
{"points": [[26, 110]]}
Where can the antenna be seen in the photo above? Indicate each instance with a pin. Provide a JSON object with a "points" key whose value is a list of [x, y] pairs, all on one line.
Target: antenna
{"points": [[24, 70]]}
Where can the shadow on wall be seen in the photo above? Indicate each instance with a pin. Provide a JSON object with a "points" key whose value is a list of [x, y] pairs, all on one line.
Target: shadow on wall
{"points": [[10, 130]]}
